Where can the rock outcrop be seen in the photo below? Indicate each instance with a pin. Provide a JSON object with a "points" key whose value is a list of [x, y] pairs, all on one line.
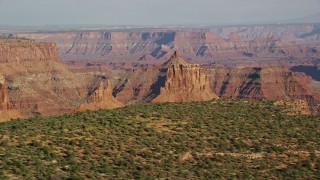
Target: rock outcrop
{"points": [[6, 112], [4, 97], [101, 98], [298, 107], [16, 51], [183, 82]]}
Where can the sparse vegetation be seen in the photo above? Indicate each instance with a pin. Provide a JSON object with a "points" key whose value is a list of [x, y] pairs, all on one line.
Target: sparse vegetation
{"points": [[227, 139]]}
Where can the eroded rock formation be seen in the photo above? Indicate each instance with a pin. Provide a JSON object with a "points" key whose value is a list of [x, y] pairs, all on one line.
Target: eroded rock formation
{"points": [[101, 98], [259, 83], [274, 83], [38, 83], [183, 82], [177, 80], [4, 97], [5, 111]]}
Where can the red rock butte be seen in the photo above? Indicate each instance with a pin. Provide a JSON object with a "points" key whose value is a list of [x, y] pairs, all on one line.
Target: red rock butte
{"points": [[184, 82]]}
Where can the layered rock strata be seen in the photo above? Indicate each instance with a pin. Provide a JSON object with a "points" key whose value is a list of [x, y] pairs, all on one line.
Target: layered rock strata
{"points": [[19, 51], [183, 82], [37, 83], [233, 46]]}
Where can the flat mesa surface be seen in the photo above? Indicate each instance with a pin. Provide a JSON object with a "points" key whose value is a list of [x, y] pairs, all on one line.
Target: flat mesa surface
{"points": [[221, 139]]}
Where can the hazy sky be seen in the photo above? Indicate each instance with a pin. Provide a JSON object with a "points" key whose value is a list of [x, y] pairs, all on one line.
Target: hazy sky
{"points": [[152, 12]]}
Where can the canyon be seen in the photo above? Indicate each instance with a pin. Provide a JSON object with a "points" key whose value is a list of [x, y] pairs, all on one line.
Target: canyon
{"points": [[235, 46], [55, 73], [174, 84]]}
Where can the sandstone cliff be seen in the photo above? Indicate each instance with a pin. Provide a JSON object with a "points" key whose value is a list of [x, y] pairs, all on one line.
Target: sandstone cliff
{"points": [[259, 83], [38, 83], [6, 112], [275, 83], [133, 85], [183, 82], [239, 45], [174, 81], [4, 99], [24, 50], [251, 32], [101, 98], [177, 80]]}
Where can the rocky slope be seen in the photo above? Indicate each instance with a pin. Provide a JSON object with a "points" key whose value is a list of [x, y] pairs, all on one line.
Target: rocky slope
{"points": [[238, 45]]}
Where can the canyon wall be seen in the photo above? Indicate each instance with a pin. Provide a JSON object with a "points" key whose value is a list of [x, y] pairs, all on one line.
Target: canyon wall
{"points": [[136, 85], [250, 32], [174, 81], [260, 83], [37, 83], [273, 83], [234, 46], [177, 80], [25, 50], [34, 82]]}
